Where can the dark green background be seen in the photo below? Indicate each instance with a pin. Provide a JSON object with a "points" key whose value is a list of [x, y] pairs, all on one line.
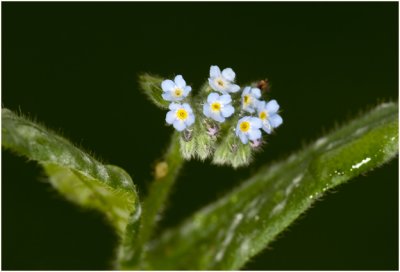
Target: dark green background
{"points": [[74, 67]]}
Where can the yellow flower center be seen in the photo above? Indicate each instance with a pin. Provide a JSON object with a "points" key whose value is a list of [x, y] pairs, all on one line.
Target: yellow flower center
{"points": [[220, 82], [244, 126], [263, 115], [178, 92], [247, 99], [216, 106], [182, 114]]}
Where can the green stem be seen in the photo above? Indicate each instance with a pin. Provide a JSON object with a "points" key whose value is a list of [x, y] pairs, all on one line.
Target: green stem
{"points": [[166, 173]]}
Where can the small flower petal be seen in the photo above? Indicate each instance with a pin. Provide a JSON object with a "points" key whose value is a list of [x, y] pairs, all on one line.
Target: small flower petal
{"points": [[215, 71], [186, 90], [190, 120], [212, 97], [174, 106], [167, 85], [170, 118], [225, 99], [243, 138], [207, 110], [233, 88], [256, 92], [227, 111], [275, 120], [179, 81], [167, 96], [254, 134], [229, 74], [179, 125], [272, 106], [256, 122]]}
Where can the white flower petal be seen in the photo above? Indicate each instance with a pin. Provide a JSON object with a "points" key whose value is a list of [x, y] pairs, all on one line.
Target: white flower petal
{"points": [[170, 118], [174, 106], [256, 122], [275, 120], [212, 97], [206, 110], [267, 127], [187, 107], [272, 106], [260, 106], [217, 116], [213, 85], [229, 74], [248, 108], [179, 125], [186, 90], [167, 85], [190, 120], [227, 111], [179, 81], [167, 96], [243, 138], [256, 92], [215, 71], [225, 99], [233, 88], [246, 90], [254, 134]]}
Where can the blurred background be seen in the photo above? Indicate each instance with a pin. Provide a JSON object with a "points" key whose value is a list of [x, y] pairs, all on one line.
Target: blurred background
{"points": [[74, 67]]}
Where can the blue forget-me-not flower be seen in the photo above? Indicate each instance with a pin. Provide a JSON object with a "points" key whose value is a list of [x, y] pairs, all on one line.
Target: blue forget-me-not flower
{"points": [[218, 107], [223, 81], [250, 98], [175, 90], [180, 116], [268, 113], [248, 128]]}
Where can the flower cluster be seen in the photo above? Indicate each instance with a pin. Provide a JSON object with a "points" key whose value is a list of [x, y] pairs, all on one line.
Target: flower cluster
{"points": [[254, 114]]}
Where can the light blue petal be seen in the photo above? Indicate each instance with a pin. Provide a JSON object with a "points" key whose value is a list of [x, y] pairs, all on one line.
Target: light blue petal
{"points": [[213, 85], [248, 109], [260, 106], [179, 81], [275, 120], [267, 127], [215, 71], [186, 90], [174, 106], [170, 118], [179, 125], [225, 99], [212, 97], [227, 110], [233, 88], [272, 106], [255, 122], [207, 110], [190, 120], [217, 117], [167, 85], [243, 119], [187, 107], [167, 96], [243, 138], [254, 134], [256, 92], [246, 90], [228, 74]]}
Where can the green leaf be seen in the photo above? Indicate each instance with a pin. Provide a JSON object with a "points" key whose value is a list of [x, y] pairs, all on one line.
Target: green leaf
{"points": [[75, 174], [151, 86], [226, 234]]}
